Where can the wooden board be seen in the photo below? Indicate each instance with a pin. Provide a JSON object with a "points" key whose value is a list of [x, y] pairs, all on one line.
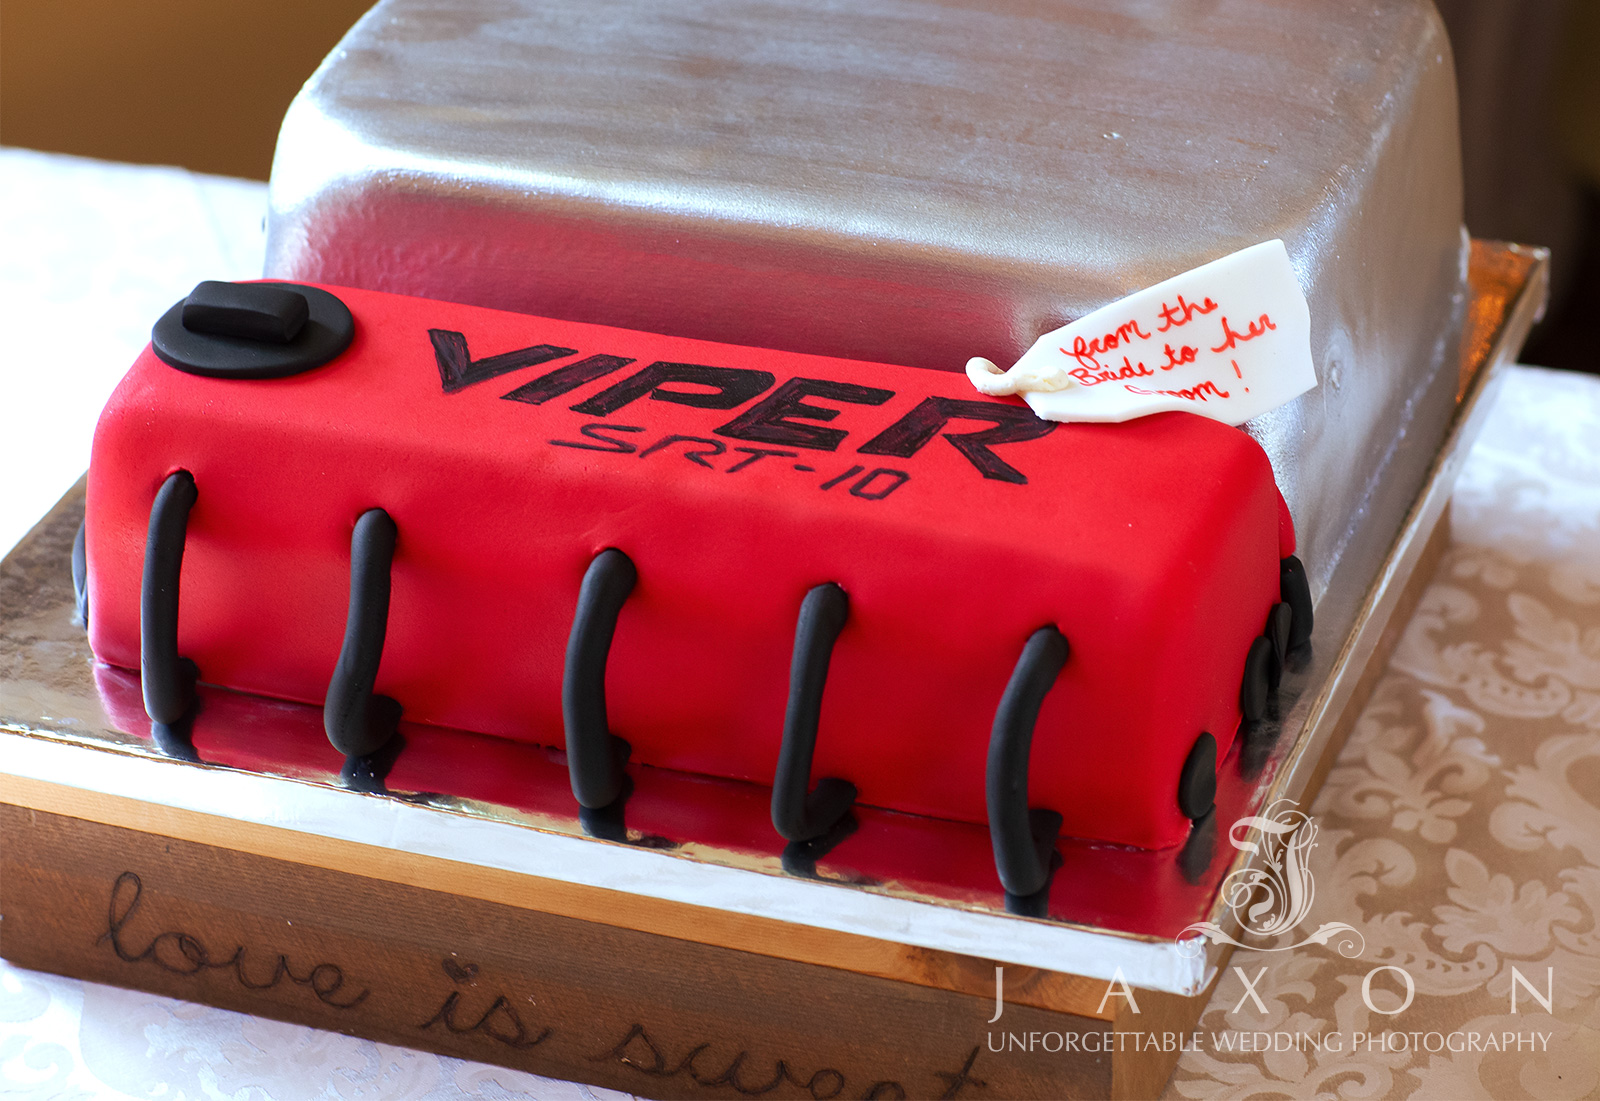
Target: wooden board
{"points": [[546, 993]]}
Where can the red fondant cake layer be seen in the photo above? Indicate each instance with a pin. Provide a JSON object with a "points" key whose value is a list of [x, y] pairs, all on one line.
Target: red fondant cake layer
{"points": [[1154, 893], [736, 479]]}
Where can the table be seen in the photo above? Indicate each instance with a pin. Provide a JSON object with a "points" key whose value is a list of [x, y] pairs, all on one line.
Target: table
{"points": [[1459, 830]]}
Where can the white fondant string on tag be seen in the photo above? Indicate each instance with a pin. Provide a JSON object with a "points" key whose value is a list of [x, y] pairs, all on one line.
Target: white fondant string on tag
{"points": [[1228, 340]]}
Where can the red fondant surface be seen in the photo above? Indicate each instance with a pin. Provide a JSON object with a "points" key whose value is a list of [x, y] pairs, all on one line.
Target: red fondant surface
{"points": [[1149, 892], [1153, 545]]}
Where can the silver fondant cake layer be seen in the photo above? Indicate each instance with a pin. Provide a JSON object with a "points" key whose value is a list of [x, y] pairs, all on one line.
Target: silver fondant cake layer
{"points": [[915, 182]]}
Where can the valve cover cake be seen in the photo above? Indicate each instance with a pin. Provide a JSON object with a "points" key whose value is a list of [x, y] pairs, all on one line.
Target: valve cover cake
{"points": [[754, 564]]}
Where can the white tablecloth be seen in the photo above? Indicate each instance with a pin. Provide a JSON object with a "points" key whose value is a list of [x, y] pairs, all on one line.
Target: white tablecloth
{"points": [[91, 253]]}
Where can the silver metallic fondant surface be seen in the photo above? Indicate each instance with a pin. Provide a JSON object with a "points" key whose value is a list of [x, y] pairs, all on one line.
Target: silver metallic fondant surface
{"points": [[916, 182]]}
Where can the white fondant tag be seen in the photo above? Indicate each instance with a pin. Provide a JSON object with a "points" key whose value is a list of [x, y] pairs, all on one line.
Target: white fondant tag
{"points": [[1228, 340]]}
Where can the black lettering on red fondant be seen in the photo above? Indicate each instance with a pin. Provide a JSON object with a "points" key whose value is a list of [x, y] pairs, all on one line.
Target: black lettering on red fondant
{"points": [[712, 449], [831, 482], [1012, 424], [729, 387], [565, 379], [865, 489], [756, 455], [780, 417], [593, 431], [783, 417], [458, 370]]}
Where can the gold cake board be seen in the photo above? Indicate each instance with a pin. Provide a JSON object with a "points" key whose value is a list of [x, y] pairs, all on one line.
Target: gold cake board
{"points": [[623, 988]]}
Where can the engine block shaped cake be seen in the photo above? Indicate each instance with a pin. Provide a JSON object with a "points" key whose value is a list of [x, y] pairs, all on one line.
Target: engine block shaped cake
{"points": [[838, 578]]}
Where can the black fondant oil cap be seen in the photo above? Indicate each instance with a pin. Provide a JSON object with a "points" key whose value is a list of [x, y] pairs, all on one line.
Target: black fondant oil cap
{"points": [[253, 330], [274, 315]]}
